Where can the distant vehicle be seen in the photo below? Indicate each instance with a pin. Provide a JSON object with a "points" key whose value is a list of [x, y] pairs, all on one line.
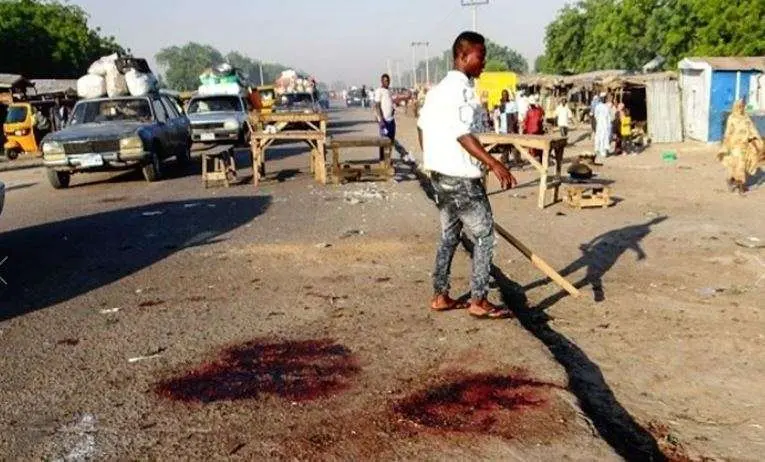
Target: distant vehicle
{"points": [[119, 133], [354, 98], [401, 96], [296, 102], [324, 100], [219, 119]]}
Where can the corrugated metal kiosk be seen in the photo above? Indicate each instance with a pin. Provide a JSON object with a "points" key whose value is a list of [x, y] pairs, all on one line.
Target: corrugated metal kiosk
{"points": [[709, 88]]}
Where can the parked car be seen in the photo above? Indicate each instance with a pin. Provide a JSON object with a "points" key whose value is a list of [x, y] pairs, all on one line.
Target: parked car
{"points": [[296, 102], [117, 133], [219, 119]]}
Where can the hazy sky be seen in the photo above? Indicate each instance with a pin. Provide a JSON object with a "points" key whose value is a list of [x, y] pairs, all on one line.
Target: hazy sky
{"points": [[348, 40]]}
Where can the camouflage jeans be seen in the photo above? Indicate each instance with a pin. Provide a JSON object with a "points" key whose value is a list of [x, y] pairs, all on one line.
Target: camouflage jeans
{"points": [[463, 203]]}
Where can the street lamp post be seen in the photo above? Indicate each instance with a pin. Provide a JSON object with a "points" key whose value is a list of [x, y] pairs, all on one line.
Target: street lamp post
{"points": [[414, 62], [473, 4]]}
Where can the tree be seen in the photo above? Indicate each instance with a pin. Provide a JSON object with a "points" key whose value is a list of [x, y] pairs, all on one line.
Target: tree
{"points": [[608, 34], [496, 65], [512, 60], [184, 64], [49, 39], [539, 64]]}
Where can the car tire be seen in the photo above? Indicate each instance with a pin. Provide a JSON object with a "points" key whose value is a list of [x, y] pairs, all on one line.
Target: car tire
{"points": [[184, 156], [59, 180], [152, 171], [12, 154]]}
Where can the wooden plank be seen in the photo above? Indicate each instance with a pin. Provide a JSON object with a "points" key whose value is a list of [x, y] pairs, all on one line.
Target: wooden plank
{"points": [[276, 117], [526, 141], [359, 141], [290, 135], [537, 261]]}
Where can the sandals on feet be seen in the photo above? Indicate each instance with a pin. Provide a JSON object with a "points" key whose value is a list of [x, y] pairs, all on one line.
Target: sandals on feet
{"points": [[493, 312], [453, 305]]}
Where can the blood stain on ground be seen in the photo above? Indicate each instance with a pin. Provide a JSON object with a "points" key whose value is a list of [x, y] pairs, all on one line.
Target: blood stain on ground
{"points": [[294, 370], [490, 404]]}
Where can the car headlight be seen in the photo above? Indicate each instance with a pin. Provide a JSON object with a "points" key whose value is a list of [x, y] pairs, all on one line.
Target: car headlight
{"points": [[131, 144], [52, 149], [231, 124]]}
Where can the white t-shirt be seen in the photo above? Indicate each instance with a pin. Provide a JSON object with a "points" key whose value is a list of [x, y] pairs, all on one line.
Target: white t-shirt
{"points": [[384, 98], [564, 115], [451, 110]]}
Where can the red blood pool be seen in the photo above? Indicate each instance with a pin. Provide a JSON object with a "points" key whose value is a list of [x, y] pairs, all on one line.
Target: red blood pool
{"points": [[294, 370]]}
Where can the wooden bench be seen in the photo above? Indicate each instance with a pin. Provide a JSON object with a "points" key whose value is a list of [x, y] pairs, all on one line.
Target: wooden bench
{"points": [[379, 170], [593, 194]]}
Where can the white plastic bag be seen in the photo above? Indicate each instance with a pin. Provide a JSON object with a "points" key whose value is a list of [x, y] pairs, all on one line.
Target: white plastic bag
{"points": [[116, 85], [102, 65], [139, 83], [91, 86]]}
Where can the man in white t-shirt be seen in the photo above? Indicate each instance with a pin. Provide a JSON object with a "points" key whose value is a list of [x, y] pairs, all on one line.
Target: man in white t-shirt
{"points": [[455, 158], [563, 117]]}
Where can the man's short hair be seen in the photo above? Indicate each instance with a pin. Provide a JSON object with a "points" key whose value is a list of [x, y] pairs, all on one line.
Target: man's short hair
{"points": [[466, 38], [384, 76]]}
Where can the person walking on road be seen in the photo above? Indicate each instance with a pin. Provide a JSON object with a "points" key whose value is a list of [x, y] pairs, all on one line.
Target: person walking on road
{"points": [[563, 115], [385, 111], [603, 128], [455, 158]]}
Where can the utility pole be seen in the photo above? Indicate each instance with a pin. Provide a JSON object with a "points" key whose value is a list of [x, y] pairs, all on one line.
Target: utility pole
{"points": [[414, 61], [473, 4], [260, 67], [398, 72], [427, 63]]}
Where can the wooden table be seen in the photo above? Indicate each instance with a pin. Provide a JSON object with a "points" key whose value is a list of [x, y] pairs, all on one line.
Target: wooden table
{"points": [[310, 128], [546, 143], [355, 170]]}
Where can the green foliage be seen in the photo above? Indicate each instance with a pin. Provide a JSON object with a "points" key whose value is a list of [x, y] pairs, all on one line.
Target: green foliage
{"points": [[625, 34], [49, 39], [496, 65], [184, 64], [512, 60], [539, 64]]}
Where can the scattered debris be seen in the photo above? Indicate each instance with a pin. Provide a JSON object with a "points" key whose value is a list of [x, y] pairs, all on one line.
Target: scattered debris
{"points": [[110, 310], [237, 448], [85, 447], [710, 291], [152, 213], [68, 341], [149, 303], [322, 245], [351, 233], [154, 354], [751, 242]]}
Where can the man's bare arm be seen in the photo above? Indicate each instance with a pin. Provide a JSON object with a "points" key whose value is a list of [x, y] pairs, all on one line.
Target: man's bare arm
{"points": [[378, 111], [471, 144]]}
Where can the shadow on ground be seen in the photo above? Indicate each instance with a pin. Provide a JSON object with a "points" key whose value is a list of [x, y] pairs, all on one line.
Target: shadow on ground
{"points": [[55, 262]]}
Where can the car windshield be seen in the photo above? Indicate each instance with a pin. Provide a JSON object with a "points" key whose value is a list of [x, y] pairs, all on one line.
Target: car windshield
{"points": [[111, 110], [16, 114], [354, 94], [215, 104], [289, 99]]}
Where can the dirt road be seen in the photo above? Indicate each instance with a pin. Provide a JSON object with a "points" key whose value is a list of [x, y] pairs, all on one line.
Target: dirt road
{"points": [[164, 321]]}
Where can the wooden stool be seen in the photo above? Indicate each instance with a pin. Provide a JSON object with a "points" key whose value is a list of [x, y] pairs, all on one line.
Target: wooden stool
{"points": [[223, 167], [580, 195]]}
